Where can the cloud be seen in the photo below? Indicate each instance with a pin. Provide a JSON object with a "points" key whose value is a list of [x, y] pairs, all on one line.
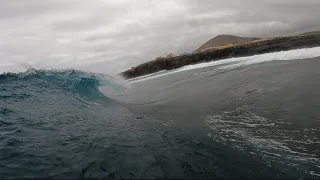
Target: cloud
{"points": [[112, 35]]}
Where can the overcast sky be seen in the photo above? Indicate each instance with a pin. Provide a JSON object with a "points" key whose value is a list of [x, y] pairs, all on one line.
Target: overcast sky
{"points": [[112, 35]]}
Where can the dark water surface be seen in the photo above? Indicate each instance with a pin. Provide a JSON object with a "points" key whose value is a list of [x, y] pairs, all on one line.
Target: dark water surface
{"points": [[257, 121]]}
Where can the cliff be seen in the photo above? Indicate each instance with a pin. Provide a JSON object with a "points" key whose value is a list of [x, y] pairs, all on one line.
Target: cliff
{"points": [[246, 49]]}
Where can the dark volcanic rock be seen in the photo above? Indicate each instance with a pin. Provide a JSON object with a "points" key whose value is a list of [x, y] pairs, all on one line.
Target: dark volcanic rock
{"points": [[248, 49]]}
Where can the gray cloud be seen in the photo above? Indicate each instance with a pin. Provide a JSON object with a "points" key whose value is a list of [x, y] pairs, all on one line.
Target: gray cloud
{"points": [[112, 35]]}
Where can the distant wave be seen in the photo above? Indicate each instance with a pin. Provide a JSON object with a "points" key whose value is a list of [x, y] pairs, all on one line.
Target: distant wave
{"points": [[82, 83]]}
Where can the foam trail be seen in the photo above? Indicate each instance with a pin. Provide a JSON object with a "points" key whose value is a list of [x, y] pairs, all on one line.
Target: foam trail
{"points": [[148, 75], [242, 61]]}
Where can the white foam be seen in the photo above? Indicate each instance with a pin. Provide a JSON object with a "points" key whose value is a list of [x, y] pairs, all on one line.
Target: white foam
{"points": [[243, 61], [233, 130], [148, 75]]}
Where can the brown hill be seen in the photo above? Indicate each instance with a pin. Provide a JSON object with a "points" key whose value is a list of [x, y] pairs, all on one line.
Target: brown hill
{"points": [[223, 40]]}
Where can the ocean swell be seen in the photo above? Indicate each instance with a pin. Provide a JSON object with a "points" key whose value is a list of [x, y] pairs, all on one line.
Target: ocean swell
{"points": [[72, 81]]}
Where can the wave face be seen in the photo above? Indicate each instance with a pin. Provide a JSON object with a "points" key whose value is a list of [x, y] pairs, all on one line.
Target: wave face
{"points": [[77, 82], [254, 122], [50, 121]]}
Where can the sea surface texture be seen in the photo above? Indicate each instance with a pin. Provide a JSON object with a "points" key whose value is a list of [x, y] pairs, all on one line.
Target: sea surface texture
{"points": [[254, 117]]}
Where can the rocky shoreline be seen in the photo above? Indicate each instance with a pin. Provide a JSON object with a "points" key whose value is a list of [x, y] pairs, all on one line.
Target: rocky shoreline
{"points": [[240, 50]]}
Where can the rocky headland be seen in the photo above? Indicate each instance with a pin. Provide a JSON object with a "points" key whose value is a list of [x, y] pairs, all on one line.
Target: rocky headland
{"points": [[245, 47]]}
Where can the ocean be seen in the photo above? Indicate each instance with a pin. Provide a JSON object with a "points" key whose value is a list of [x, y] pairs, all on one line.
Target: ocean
{"points": [[248, 118]]}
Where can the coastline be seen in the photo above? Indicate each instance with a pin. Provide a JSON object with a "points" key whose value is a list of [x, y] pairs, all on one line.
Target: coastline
{"points": [[238, 50]]}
